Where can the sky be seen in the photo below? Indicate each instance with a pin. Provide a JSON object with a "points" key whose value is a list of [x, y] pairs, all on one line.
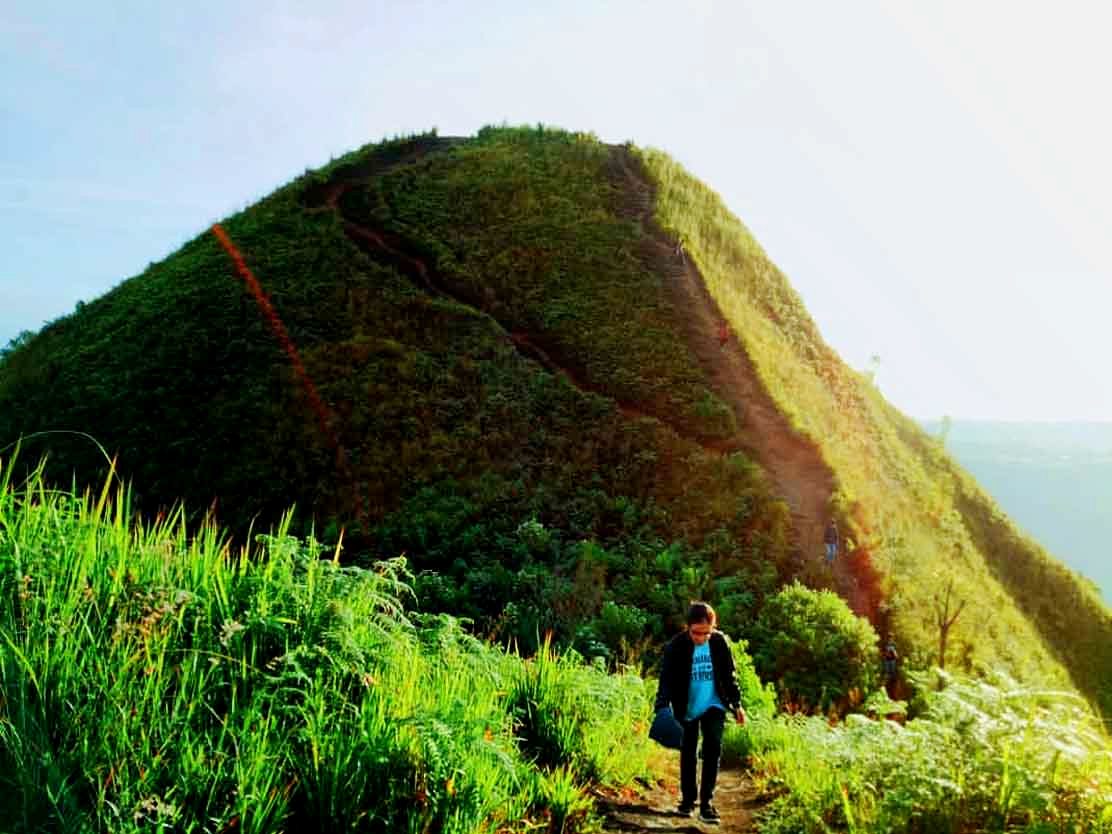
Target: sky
{"points": [[933, 178]]}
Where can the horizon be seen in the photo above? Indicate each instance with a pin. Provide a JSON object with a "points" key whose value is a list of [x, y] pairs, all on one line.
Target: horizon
{"points": [[938, 214]]}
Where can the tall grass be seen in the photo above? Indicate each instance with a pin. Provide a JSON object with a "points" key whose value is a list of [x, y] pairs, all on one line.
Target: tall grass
{"points": [[156, 679]]}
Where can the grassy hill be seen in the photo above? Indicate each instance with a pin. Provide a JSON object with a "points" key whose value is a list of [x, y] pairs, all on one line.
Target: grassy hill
{"points": [[563, 380]]}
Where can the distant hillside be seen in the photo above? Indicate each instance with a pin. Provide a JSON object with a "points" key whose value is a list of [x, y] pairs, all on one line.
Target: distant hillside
{"points": [[563, 380], [1053, 479]]}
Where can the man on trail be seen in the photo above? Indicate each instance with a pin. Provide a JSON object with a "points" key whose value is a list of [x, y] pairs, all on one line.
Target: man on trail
{"points": [[891, 656], [831, 540], [698, 683]]}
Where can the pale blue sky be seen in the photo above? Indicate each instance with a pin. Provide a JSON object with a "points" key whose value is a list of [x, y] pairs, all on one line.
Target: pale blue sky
{"points": [[932, 177]]}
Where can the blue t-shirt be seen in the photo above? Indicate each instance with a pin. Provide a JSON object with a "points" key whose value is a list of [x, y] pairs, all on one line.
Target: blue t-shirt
{"points": [[701, 695]]}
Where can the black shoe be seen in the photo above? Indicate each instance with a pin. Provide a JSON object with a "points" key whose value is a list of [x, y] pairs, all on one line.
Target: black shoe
{"points": [[708, 814], [686, 809]]}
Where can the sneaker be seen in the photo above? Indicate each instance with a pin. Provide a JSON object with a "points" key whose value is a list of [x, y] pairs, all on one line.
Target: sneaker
{"points": [[708, 814], [686, 809]]}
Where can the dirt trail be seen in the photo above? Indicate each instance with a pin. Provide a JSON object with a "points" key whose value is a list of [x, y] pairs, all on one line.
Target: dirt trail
{"points": [[654, 810], [798, 472]]}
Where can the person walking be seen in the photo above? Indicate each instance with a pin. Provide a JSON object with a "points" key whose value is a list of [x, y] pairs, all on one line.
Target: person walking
{"points": [[830, 538], [891, 659], [698, 683]]}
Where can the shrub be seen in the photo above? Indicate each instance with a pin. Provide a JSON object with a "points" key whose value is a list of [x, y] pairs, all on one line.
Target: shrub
{"points": [[568, 714], [813, 648], [759, 701]]}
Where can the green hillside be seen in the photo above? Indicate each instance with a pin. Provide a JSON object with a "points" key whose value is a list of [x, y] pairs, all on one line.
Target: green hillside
{"points": [[564, 381]]}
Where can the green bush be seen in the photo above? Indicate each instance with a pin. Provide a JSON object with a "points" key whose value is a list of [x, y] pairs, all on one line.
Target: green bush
{"points": [[759, 699], [568, 714], [814, 650]]}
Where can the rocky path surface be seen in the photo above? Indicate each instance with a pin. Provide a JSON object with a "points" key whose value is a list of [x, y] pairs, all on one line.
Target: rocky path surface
{"points": [[653, 811]]}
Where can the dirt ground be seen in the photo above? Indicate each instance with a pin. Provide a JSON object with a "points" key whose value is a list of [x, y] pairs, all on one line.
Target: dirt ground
{"points": [[653, 809]]}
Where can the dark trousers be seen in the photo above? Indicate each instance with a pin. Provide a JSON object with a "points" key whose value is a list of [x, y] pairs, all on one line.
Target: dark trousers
{"points": [[712, 723]]}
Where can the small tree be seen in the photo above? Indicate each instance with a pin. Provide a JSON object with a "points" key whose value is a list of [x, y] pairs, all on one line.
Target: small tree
{"points": [[946, 612], [944, 427], [873, 369], [813, 648]]}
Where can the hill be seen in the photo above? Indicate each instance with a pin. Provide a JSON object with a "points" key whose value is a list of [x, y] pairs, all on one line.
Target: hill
{"points": [[563, 380]]}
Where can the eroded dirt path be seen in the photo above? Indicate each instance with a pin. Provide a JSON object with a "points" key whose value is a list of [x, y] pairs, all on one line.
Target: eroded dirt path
{"points": [[797, 470], [653, 811]]}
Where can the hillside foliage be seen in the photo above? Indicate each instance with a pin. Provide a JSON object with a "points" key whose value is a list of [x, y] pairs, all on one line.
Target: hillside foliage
{"points": [[157, 680]]}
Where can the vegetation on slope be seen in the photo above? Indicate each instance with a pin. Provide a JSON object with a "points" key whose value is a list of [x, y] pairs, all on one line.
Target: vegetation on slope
{"points": [[1070, 614], [975, 757], [518, 414], [911, 517], [158, 681]]}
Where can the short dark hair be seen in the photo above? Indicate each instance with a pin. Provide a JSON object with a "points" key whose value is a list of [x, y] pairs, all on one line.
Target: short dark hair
{"points": [[701, 612]]}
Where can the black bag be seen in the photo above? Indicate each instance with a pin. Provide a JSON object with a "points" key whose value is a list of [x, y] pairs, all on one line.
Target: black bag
{"points": [[666, 730]]}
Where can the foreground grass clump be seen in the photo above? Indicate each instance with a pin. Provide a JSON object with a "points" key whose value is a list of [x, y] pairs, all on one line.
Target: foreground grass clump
{"points": [[981, 757], [154, 680]]}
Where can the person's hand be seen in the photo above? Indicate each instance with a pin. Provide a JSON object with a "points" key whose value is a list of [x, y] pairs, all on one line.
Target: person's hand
{"points": [[740, 716]]}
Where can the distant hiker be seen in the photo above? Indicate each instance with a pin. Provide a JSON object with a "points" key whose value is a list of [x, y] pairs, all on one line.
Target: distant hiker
{"points": [[830, 538], [680, 253], [723, 334], [890, 656], [698, 685]]}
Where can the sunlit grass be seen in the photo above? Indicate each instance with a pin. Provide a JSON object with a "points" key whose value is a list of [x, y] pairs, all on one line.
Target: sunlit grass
{"points": [[155, 678]]}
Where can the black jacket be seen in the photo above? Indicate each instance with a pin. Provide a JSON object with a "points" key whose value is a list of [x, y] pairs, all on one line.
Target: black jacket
{"points": [[675, 673]]}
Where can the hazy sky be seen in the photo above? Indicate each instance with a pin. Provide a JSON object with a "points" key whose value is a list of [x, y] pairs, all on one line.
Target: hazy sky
{"points": [[934, 178]]}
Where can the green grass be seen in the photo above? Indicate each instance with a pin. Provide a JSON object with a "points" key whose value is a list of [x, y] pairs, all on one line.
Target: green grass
{"points": [[154, 678], [151, 678]]}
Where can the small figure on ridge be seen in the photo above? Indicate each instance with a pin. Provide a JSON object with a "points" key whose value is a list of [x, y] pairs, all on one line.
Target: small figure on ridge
{"points": [[830, 538]]}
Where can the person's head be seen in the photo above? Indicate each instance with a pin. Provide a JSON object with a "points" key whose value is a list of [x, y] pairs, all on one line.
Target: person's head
{"points": [[701, 621]]}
